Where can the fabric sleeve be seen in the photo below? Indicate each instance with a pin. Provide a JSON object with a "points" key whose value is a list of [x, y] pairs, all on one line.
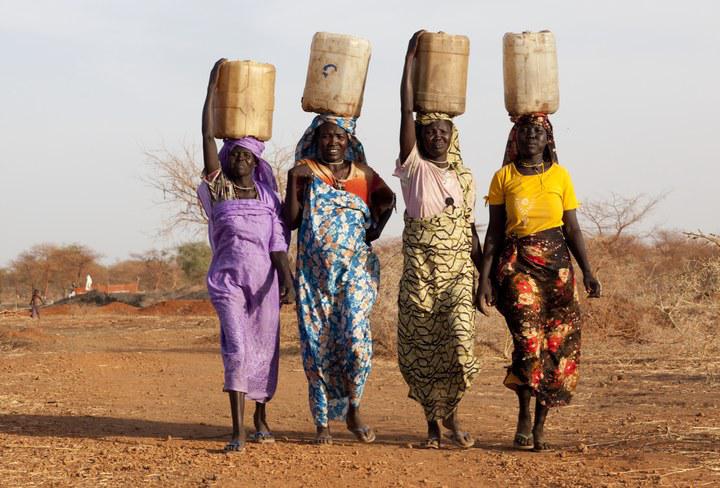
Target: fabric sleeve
{"points": [[280, 236], [496, 193], [403, 169], [215, 183], [569, 200]]}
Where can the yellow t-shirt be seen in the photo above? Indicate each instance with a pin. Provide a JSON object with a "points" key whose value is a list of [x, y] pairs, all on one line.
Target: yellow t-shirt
{"points": [[532, 203]]}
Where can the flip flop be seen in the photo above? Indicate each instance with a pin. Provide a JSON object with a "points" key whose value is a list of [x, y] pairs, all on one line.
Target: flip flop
{"points": [[263, 437], [431, 443], [543, 447], [523, 442], [234, 446], [364, 434], [461, 439]]}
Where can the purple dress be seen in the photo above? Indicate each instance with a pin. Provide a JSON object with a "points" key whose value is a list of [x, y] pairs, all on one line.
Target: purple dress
{"points": [[243, 284]]}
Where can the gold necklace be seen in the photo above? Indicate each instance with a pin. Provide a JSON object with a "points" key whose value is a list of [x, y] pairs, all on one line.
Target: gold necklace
{"points": [[244, 188], [525, 164]]}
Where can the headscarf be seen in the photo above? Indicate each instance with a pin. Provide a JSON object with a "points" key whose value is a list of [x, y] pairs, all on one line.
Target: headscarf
{"points": [[263, 171], [306, 147], [454, 158], [541, 119]]}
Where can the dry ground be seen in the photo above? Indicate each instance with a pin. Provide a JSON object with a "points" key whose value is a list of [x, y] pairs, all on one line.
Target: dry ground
{"points": [[128, 399]]}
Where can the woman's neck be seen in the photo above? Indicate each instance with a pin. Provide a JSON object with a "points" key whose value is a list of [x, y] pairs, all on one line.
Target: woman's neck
{"points": [[440, 161], [245, 181], [333, 164], [533, 160]]}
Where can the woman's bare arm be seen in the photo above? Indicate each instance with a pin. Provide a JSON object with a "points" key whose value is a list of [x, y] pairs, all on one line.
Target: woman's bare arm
{"points": [[576, 243], [407, 122], [210, 156], [494, 238]]}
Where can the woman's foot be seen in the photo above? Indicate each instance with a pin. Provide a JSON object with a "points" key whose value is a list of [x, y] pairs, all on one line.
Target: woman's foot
{"points": [[458, 437], [262, 429], [237, 443], [362, 432], [323, 435], [523, 441], [433, 437], [523, 432], [539, 444]]}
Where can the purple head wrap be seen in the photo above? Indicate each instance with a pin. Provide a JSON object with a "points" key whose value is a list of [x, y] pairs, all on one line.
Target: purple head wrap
{"points": [[263, 171]]}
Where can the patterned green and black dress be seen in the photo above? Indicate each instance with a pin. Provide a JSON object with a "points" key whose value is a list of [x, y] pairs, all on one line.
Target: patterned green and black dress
{"points": [[436, 330]]}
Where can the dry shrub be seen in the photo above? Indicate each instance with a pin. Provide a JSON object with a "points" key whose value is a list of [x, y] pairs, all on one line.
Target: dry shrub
{"points": [[664, 291], [385, 312]]}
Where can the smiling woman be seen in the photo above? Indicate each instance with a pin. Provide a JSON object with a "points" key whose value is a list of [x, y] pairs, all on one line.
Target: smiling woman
{"points": [[340, 205]]}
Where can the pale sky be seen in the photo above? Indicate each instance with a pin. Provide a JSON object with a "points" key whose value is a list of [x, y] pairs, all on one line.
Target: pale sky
{"points": [[86, 86]]}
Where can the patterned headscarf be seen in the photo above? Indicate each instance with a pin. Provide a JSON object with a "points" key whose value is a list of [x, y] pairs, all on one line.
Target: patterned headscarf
{"points": [[307, 149], [454, 157], [541, 119], [263, 171]]}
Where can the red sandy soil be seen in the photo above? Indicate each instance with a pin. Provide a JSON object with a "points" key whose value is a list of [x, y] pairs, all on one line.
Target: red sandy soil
{"points": [[165, 308], [135, 399]]}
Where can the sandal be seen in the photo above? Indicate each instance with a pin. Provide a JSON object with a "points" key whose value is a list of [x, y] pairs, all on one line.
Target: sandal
{"points": [[523, 442], [234, 445], [263, 437], [431, 443], [364, 434], [462, 440]]}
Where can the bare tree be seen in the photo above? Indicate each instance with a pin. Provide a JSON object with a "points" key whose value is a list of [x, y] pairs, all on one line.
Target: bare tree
{"points": [[702, 236], [281, 158], [609, 219], [176, 176]]}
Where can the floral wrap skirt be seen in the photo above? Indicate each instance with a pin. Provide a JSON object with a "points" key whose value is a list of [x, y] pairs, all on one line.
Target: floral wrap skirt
{"points": [[537, 296]]}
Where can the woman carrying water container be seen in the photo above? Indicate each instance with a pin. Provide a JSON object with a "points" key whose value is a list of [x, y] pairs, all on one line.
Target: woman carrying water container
{"points": [[249, 273], [339, 205], [533, 229], [436, 328]]}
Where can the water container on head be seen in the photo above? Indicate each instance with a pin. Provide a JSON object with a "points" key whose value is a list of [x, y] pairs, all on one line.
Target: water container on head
{"points": [[336, 74], [244, 100], [530, 72], [440, 73]]}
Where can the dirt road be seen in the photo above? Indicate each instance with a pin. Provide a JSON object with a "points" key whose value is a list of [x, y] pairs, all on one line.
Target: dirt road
{"points": [[125, 400]]}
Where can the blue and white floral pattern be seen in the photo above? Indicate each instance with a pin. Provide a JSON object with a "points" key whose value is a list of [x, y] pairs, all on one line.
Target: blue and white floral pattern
{"points": [[336, 281]]}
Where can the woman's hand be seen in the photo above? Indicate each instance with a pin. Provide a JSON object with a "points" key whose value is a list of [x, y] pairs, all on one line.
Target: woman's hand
{"points": [[485, 297], [592, 285], [412, 44], [214, 73], [287, 293], [300, 173]]}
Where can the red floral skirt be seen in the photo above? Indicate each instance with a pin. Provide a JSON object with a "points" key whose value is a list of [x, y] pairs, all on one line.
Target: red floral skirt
{"points": [[538, 298]]}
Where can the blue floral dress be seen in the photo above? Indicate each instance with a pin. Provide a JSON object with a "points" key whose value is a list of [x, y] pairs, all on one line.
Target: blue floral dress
{"points": [[336, 281]]}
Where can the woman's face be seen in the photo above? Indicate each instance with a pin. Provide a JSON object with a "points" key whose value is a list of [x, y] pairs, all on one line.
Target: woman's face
{"points": [[532, 139], [332, 141], [436, 139], [241, 162]]}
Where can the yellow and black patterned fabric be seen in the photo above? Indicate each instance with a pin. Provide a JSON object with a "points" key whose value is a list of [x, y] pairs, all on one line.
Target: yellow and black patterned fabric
{"points": [[436, 328]]}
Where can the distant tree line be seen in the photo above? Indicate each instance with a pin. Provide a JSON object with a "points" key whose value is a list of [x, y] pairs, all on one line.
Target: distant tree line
{"points": [[55, 269]]}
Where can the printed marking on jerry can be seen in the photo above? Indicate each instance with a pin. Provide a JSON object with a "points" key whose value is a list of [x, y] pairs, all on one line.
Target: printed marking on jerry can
{"points": [[326, 69]]}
